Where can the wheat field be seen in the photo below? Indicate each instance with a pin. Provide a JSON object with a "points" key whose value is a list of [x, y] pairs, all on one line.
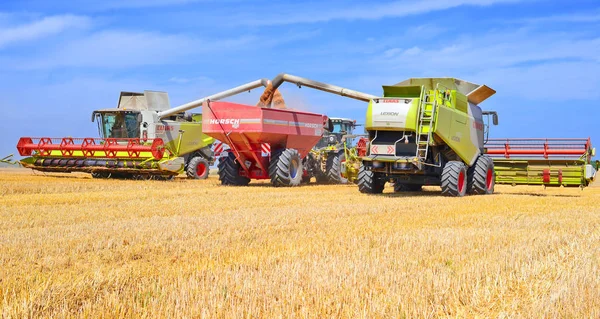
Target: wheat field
{"points": [[72, 246]]}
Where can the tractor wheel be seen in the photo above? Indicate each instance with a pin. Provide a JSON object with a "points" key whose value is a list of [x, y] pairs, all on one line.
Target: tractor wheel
{"points": [[336, 168], [321, 178], [398, 187], [368, 183], [285, 168], [306, 179], [198, 168], [481, 176], [454, 179], [229, 172]]}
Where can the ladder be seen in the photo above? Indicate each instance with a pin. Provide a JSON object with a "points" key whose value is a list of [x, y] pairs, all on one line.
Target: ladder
{"points": [[427, 108]]}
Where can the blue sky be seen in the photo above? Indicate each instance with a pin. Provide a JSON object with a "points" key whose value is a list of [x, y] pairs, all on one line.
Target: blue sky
{"points": [[59, 61]]}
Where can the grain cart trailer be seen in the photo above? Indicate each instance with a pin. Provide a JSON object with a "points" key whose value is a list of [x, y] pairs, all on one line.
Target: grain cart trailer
{"points": [[250, 130]]}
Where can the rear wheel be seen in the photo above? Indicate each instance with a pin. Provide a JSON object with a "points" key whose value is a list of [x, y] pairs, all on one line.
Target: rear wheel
{"points": [[454, 179], [336, 168], [229, 172], [285, 168], [481, 176], [369, 182], [198, 168], [398, 187]]}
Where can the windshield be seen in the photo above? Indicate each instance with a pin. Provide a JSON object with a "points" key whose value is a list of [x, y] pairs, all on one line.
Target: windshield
{"points": [[339, 127], [120, 125]]}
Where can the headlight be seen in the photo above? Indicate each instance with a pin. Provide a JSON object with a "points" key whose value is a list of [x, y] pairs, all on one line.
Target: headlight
{"points": [[377, 164], [401, 166]]}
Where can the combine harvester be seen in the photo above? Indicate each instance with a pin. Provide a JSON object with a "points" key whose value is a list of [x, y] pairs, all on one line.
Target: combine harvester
{"points": [[142, 138], [539, 161], [431, 131], [427, 131]]}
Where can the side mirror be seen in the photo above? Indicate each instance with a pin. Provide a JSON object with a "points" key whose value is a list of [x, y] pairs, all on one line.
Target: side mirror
{"points": [[495, 118]]}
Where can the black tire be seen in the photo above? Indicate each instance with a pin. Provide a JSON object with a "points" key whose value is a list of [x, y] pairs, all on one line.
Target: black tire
{"points": [[334, 168], [229, 172], [142, 177], [368, 182], [306, 179], [163, 177], [481, 176], [399, 187], [100, 175], [454, 179], [321, 178], [198, 168], [285, 168]]}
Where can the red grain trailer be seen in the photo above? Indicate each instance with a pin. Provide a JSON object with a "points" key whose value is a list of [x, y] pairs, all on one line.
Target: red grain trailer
{"points": [[265, 143]]}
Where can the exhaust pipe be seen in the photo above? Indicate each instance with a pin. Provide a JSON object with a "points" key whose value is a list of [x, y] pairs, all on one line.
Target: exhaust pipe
{"points": [[215, 97]]}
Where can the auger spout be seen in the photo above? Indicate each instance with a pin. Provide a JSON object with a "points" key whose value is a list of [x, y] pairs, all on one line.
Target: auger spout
{"points": [[215, 97]]}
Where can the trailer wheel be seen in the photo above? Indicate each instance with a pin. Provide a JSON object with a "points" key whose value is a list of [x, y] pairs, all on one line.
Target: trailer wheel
{"points": [[198, 168], [336, 168], [368, 183], [481, 179], [398, 187], [285, 168], [229, 172], [454, 179]]}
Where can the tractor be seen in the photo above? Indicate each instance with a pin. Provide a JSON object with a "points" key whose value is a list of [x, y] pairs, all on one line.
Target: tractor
{"points": [[336, 154]]}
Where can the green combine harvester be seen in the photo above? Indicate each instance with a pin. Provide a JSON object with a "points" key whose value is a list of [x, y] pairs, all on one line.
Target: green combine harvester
{"points": [[142, 138], [428, 131]]}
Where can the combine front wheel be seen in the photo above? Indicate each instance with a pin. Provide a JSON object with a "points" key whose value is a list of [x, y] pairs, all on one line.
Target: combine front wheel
{"points": [[454, 179], [229, 172], [368, 182], [336, 168], [285, 168], [197, 168], [481, 176]]}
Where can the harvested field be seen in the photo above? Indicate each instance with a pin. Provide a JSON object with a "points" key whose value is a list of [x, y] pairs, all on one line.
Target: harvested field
{"points": [[72, 246]]}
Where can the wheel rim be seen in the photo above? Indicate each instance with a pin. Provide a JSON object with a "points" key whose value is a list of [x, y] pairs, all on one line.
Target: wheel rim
{"points": [[294, 168], [200, 169], [461, 181], [343, 168], [489, 179]]}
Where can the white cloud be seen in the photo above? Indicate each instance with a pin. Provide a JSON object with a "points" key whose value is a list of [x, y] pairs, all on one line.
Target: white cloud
{"points": [[44, 27], [301, 13]]}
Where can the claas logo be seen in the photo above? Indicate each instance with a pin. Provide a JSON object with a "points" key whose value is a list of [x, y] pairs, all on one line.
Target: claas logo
{"points": [[478, 126]]}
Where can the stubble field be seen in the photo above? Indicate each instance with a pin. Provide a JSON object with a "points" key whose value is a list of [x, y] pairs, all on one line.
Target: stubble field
{"points": [[72, 246]]}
